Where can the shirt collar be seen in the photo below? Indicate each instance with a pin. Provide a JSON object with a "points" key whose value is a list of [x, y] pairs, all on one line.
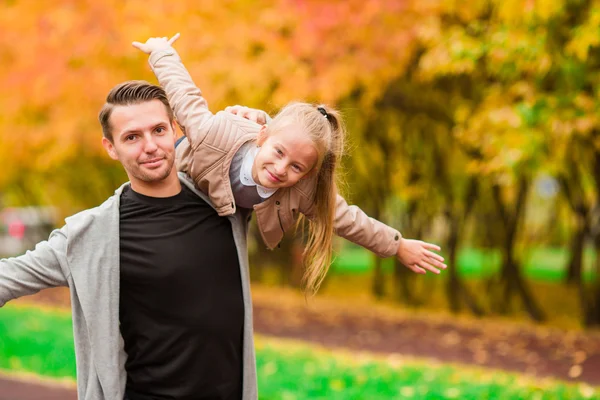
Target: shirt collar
{"points": [[246, 174]]}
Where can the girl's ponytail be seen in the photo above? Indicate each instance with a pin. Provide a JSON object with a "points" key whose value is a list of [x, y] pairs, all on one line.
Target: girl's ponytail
{"points": [[319, 248]]}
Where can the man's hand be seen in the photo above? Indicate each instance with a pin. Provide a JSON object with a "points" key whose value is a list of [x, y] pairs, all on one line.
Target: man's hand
{"points": [[418, 256], [258, 116], [155, 44]]}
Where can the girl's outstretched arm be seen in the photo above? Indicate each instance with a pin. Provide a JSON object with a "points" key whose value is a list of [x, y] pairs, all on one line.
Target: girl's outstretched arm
{"points": [[188, 104], [355, 225]]}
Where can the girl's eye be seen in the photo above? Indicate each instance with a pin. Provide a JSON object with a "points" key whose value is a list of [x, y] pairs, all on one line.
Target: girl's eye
{"points": [[279, 152], [296, 168]]}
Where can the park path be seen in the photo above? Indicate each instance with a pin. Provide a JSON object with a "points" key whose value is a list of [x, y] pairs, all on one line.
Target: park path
{"points": [[537, 351], [19, 389]]}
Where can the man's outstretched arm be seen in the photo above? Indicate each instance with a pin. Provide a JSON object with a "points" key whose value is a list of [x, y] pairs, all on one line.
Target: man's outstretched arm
{"points": [[41, 268]]}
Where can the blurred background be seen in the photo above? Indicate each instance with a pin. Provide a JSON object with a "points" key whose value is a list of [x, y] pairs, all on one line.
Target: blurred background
{"points": [[472, 125]]}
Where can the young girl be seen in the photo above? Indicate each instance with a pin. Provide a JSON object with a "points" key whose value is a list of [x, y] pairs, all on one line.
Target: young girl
{"points": [[281, 170]]}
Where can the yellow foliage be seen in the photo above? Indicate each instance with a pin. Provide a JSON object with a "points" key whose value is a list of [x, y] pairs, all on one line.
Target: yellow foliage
{"points": [[58, 60]]}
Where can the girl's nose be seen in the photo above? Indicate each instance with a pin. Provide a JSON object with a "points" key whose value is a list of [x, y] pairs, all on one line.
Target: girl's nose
{"points": [[280, 169]]}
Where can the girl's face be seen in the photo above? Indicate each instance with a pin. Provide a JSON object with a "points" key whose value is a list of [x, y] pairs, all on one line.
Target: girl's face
{"points": [[284, 157]]}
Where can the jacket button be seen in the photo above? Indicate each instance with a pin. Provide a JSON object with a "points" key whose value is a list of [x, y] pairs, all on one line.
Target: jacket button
{"points": [[277, 202], [396, 237]]}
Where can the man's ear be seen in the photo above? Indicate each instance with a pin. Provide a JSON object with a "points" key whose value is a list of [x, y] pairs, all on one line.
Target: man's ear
{"points": [[262, 135], [174, 125], [110, 148]]}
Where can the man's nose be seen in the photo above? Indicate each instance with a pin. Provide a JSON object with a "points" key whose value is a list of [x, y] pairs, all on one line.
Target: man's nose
{"points": [[150, 145]]}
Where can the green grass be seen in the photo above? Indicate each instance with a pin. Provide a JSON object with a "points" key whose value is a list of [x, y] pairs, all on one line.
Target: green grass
{"points": [[36, 341], [298, 371], [40, 342], [542, 264]]}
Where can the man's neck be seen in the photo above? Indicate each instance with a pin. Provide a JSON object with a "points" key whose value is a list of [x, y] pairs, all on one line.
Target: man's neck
{"points": [[166, 188]]}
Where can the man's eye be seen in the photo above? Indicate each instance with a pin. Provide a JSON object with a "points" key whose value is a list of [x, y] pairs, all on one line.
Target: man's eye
{"points": [[160, 129], [130, 137]]}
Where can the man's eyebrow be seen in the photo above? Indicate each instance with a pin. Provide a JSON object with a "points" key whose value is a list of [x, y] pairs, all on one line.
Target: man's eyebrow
{"points": [[135, 130]]}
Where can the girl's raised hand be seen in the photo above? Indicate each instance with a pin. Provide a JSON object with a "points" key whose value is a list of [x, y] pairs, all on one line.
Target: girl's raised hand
{"points": [[156, 43], [419, 257], [258, 116]]}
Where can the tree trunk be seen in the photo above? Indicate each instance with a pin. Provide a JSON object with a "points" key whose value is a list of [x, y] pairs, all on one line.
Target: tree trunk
{"points": [[378, 284], [515, 282], [453, 285], [596, 309], [456, 290], [378, 288], [403, 281], [531, 306], [574, 269], [590, 294], [511, 274]]}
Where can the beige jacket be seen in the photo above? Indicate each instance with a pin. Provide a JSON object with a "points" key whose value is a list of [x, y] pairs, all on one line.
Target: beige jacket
{"points": [[206, 156]]}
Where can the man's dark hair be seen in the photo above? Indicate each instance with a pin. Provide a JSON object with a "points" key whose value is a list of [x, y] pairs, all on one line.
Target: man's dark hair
{"points": [[129, 93]]}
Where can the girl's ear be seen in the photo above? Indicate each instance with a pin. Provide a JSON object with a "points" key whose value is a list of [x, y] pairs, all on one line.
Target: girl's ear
{"points": [[262, 135]]}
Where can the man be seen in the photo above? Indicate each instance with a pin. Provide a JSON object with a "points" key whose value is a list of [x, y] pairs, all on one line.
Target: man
{"points": [[154, 273]]}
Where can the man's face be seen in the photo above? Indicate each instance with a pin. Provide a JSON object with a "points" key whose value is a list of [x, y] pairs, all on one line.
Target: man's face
{"points": [[144, 142]]}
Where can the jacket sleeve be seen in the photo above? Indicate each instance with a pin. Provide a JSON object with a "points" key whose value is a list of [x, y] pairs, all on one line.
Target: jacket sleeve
{"points": [[38, 269], [353, 224], [186, 100]]}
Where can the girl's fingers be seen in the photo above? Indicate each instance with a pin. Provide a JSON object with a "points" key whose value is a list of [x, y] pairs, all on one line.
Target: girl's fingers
{"points": [[431, 246], [174, 38], [233, 109], [261, 119], [433, 255], [429, 267], [415, 268], [437, 263]]}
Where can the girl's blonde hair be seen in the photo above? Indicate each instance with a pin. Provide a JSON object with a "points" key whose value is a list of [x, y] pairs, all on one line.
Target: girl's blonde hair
{"points": [[325, 128]]}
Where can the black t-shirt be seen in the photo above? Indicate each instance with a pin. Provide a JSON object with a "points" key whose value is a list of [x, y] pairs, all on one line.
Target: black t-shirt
{"points": [[181, 305]]}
